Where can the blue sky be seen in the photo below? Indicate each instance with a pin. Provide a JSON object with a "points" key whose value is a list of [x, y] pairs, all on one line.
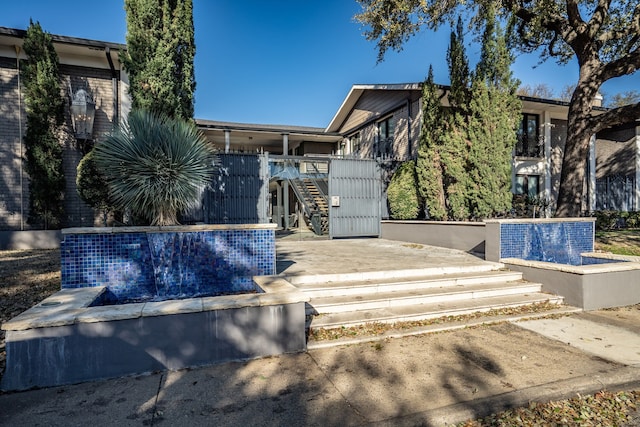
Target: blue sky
{"points": [[282, 61]]}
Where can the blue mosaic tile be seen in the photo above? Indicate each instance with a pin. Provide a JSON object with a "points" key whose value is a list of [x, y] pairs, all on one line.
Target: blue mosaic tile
{"points": [[588, 260], [135, 266], [560, 242]]}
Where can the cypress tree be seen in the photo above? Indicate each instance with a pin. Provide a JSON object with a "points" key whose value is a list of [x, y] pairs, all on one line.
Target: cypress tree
{"points": [[455, 144], [45, 114], [159, 57], [494, 112], [429, 172], [459, 74]]}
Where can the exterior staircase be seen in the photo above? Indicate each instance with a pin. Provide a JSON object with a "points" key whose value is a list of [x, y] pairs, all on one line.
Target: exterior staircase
{"points": [[312, 195], [353, 299]]}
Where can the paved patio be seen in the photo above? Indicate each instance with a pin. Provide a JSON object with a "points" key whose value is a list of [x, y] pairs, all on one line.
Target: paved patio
{"points": [[302, 256], [431, 380]]}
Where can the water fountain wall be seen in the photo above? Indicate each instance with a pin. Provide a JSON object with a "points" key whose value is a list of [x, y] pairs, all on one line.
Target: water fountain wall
{"points": [[559, 254], [559, 241], [147, 263]]}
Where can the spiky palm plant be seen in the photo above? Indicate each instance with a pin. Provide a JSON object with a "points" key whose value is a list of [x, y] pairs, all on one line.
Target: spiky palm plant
{"points": [[155, 166]]}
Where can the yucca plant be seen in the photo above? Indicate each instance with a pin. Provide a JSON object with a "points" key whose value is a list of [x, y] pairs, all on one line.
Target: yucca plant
{"points": [[155, 166]]}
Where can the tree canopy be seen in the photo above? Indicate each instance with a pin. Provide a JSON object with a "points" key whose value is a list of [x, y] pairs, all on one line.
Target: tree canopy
{"points": [[160, 54], [603, 36]]}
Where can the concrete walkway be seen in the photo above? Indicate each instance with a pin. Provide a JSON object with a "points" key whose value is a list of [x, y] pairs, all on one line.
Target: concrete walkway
{"points": [[431, 380]]}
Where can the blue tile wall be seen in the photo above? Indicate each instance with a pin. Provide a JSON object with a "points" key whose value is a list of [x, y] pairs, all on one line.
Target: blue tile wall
{"points": [[157, 266], [559, 242], [587, 260]]}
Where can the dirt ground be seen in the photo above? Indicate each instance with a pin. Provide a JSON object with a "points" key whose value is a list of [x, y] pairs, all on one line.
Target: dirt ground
{"points": [[26, 278]]}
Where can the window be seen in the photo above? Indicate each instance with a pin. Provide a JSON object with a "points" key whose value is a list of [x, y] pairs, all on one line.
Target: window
{"points": [[528, 185], [355, 142], [528, 142], [386, 128]]}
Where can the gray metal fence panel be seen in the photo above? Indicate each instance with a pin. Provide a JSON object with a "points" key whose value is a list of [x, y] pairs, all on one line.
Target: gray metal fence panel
{"points": [[239, 194], [615, 192], [354, 194]]}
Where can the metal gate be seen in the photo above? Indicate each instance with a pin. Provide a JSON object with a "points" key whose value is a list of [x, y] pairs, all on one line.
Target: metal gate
{"points": [[239, 194], [615, 192], [355, 194]]}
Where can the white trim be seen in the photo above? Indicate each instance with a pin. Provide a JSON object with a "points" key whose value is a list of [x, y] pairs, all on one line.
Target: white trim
{"points": [[547, 159], [637, 189], [591, 190]]}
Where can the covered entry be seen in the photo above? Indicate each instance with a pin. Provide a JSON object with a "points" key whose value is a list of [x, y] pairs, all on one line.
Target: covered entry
{"points": [[330, 196]]}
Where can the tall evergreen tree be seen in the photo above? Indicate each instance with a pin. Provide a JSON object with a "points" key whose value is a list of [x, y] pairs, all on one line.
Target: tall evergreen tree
{"points": [[459, 74], [455, 145], [45, 114], [159, 57], [493, 118], [429, 172]]}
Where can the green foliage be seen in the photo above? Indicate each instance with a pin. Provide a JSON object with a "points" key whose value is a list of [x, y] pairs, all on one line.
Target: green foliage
{"points": [[156, 166], [602, 38], [464, 157], [45, 114], [160, 54], [492, 125], [402, 194], [429, 173], [612, 220], [454, 157], [459, 74], [91, 184]]}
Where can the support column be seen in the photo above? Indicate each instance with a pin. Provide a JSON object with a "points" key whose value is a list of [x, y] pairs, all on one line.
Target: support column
{"points": [[227, 141], [279, 205], [637, 189], [547, 161], [285, 184], [591, 194]]}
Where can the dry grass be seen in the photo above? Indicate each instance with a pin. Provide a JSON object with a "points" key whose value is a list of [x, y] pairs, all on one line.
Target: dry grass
{"points": [[26, 278], [621, 242], [600, 409]]}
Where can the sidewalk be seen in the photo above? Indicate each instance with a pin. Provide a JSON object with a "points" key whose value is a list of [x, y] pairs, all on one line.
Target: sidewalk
{"points": [[434, 379]]}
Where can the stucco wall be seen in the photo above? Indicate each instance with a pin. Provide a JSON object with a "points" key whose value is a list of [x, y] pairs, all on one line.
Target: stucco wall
{"points": [[465, 236]]}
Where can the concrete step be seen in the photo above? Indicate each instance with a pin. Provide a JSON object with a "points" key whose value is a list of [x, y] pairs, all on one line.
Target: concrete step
{"points": [[417, 312], [320, 280], [435, 326], [371, 286], [421, 296]]}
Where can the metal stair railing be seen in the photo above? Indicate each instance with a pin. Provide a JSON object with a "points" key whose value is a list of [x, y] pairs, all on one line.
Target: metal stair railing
{"points": [[310, 207]]}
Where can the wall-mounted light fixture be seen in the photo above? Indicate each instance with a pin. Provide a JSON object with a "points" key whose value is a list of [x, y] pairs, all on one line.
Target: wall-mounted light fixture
{"points": [[83, 111]]}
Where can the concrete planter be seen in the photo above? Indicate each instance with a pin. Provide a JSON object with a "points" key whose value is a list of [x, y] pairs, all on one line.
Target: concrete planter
{"points": [[464, 236], [64, 340], [67, 339]]}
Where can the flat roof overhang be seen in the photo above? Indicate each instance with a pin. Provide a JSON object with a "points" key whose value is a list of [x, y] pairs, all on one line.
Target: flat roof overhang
{"points": [[70, 50], [257, 138]]}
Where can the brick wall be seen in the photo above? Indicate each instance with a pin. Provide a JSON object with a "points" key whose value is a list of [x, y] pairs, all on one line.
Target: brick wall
{"points": [[12, 199], [14, 203]]}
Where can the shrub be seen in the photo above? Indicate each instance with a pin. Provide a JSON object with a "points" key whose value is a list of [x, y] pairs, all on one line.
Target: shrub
{"points": [[156, 166], [402, 193], [611, 220]]}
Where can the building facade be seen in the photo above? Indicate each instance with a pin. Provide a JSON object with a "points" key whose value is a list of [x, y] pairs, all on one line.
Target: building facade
{"points": [[374, 122], [383, 121], [89, 65]]}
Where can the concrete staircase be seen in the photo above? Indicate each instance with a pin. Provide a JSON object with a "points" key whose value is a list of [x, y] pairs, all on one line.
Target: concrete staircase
{"points": [[352, 299]]}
